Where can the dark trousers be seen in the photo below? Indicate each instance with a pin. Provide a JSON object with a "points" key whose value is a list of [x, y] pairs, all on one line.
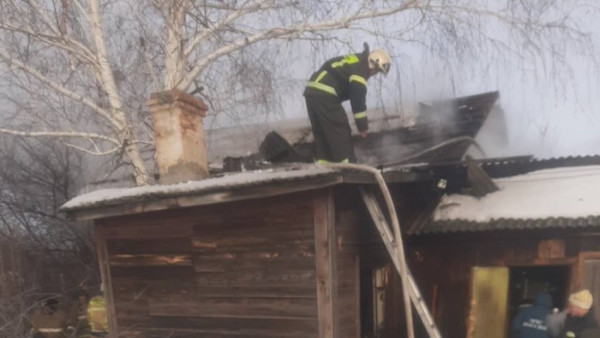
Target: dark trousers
{"points": [[331, 129]]}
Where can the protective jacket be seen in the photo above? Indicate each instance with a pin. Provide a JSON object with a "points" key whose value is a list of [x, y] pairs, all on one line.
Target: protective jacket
{"points": [[344, 78], [97, 317], [575, 326], [530, 322]]}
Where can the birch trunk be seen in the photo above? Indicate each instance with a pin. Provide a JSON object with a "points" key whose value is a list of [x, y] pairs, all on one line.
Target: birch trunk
{"points": [[107, 80], [174, 58]]}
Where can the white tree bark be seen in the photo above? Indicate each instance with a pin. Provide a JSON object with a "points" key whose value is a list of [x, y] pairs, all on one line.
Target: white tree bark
{"points": [[174, 57], [105, 71]]}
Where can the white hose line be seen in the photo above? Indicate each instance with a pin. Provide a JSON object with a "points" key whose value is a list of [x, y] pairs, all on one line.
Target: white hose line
{"points": [[397, 234]]}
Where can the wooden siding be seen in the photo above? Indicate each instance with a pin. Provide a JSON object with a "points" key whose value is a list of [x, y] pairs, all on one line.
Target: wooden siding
{"points": [[442, 266], [359, 250], [243, 269], [348, 270]]}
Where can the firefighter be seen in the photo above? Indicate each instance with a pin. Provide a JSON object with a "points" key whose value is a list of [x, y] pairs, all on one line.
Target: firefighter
{"points": [[96, 315], [48, 321], [78, 314], [339, 79]]}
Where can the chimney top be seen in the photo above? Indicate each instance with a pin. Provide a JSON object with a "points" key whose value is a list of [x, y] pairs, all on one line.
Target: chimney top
{"points": [[178, 136]]}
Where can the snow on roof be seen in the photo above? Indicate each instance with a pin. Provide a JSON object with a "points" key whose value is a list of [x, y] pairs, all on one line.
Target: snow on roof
{"points": [[569, 192], [115, 196]]}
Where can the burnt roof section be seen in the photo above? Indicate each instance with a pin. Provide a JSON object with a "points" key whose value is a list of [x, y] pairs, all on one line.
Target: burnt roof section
{"points": [[449, 124], [498, 168]]}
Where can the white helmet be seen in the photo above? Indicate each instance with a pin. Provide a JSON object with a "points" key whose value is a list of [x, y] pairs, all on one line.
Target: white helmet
{"points": [[380, 60]]}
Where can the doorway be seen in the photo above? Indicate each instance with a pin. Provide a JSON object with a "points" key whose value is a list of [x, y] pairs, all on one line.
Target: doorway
{"points": [[526, 281]]}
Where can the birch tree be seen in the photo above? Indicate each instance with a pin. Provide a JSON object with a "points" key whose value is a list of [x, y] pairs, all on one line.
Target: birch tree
{"points": [[79, 71]]}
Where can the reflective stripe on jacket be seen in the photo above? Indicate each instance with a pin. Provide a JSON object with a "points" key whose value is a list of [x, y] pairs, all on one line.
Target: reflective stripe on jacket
{"points": [[96, 314], [345, 78]]}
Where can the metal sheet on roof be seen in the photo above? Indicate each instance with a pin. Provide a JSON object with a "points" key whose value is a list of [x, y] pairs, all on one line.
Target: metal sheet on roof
{"points": [[463, 226]]}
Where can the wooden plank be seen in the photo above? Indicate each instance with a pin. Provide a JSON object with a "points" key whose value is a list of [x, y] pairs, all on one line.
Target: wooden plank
{"points": [[127, 260], [227, 194], [159, 245], [255, 237], [105, 274], [551, 249], [300, 248], [162, 227], [349, 295], [271, 261], [217, 307], [260, 291], [325, 254], [148, 273], [131, 289], [186, 333], [255, 278], [238, 327]]}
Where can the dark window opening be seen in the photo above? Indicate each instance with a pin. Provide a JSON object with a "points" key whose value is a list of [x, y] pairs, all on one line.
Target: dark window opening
{"points": [[526, 282]]}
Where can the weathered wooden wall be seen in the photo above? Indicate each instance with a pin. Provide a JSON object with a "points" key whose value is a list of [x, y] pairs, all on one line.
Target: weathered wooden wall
{"points": [[359, 252], [244, 269], [348, 271], [442, 266]]}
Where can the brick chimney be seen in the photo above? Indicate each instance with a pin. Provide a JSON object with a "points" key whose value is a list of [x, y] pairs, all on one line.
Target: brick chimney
{"points": [[178, 136]]}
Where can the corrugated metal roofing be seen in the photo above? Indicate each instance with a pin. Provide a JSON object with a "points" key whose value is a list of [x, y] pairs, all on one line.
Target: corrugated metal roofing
{"points": [[500, 168], [458, 226], [509, 166]]}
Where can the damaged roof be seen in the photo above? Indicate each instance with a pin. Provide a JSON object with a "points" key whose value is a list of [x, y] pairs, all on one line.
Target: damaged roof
{"points": [[393, 138], [556, 193]]}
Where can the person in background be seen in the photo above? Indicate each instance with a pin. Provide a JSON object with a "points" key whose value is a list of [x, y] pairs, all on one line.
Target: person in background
{"points": [[580, 317], [48, 320], [78, 314], [555, 322], [530, 322], [96, 315]]}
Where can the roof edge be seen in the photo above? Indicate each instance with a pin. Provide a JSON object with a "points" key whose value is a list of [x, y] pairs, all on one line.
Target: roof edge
{"points": [[226, 194]]}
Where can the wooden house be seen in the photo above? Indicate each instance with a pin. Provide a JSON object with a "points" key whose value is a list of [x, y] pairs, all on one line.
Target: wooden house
{"points": [[477, 259], [292, 251], [267, 254], [272, 253]]}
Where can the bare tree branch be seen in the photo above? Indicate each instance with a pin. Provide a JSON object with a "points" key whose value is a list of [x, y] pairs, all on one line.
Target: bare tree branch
{"points": [[60, 134], [60, 42], [58, 88], [234, 15], [293, 31]]}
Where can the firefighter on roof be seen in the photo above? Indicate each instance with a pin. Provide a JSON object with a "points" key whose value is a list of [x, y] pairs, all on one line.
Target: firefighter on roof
{"points": [[339, 79]]}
